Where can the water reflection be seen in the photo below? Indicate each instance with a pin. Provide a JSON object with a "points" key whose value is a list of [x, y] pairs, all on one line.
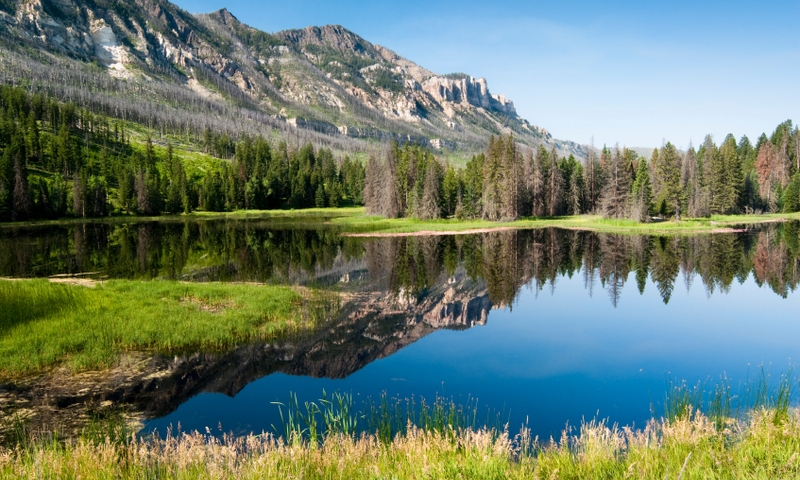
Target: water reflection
{"points": [[260, 251], [256, 251], [398, 291], [507, 261]]}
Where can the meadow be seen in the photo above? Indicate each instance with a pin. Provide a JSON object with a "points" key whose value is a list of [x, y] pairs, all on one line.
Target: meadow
{"points": [[45, 324]]}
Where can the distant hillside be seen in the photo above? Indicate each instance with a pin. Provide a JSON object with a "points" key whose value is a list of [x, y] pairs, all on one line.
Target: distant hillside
{"points": [[153, 63]]}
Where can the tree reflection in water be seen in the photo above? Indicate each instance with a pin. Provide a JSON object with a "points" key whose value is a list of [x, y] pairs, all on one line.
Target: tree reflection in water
{"points": [[263, 251]]}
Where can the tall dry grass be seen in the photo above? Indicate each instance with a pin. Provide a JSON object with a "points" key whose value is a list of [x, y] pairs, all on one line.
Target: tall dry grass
{"points": [[688, 447]]}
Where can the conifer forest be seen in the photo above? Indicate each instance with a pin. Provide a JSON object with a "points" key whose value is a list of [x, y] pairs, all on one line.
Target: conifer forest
{"points": [[511, 181]]}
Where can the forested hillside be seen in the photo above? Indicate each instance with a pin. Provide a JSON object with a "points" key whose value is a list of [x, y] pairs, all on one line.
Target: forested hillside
{"points": [[58, 160], [510, 181]]}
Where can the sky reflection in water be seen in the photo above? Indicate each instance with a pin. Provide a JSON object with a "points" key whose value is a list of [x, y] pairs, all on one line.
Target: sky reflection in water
{"points": [[559, 355]]}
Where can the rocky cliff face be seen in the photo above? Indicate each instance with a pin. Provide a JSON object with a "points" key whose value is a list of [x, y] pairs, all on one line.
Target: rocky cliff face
{"points": [[467, 91], [324, 79]]}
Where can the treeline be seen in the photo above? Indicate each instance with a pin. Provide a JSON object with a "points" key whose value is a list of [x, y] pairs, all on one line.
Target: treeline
{"points": [[57, 160], [509, 181]]}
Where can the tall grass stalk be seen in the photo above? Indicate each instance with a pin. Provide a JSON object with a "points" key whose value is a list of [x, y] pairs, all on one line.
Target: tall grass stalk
{"points": [[685, 448], [759, 392], [386, 418]]}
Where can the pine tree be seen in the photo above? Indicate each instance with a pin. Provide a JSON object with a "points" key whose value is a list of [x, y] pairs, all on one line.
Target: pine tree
{"points": [[450, 189], [594, 179], [472, 195], [668, 171], [614, 201], [555, 185], [538, 184], [22, 207], [729, 181], [577, 187], [692, 188], [492, 181], [642, 194], [429, 203]]}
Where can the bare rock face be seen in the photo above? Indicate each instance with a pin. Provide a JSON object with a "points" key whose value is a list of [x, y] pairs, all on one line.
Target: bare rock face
{"points": [[468, 91]]}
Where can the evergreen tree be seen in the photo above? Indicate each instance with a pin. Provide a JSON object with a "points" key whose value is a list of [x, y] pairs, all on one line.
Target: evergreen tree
{"points": [[614, 201], [492, 181], [450, 188], [537, 182], [555, 185], [668, 171], [642, 194], [594, 180], [472, 194], [429, 203]]}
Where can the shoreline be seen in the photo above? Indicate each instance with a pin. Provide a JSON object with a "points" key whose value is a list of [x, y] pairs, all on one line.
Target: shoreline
{"points": [[354, 222]]}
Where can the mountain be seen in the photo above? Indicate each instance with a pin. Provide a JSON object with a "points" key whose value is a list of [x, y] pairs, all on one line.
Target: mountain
{"points": [[153, 63]]}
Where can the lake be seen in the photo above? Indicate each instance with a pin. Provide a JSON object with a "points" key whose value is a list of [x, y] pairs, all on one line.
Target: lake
{"points": [[539, 327]]}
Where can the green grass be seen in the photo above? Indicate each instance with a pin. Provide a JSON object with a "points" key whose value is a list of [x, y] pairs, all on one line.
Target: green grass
{"points": [[355, 220], [308, 215], [44, 325], [380, 225]]}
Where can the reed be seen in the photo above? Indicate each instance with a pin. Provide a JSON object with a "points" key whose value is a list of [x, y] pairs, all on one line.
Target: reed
{"points": [[758, 392]]}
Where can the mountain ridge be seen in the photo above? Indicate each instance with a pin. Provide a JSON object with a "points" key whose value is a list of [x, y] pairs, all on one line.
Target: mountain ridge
{"points": [[326, 80]]}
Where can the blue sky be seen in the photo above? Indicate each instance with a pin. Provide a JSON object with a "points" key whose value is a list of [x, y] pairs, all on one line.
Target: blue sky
{"points": [[632, 72]]}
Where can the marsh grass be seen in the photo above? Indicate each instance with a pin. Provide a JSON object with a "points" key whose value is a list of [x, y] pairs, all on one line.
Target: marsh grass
{"points": [[330, 439], [43, 325], [386, 418], [686, 448], [724, 404]]}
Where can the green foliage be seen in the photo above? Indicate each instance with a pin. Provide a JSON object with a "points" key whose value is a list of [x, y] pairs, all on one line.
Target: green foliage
{"points": [[44, 324], [388, 80], [642, 193], [57, 160]]}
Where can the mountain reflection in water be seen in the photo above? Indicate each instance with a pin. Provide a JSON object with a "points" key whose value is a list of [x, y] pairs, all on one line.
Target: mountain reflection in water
{"points": [[395, 291]]}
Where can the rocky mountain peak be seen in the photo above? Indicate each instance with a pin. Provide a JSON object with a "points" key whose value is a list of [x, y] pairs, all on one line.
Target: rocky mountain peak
{"points": [[325, 79], [225, 17]]}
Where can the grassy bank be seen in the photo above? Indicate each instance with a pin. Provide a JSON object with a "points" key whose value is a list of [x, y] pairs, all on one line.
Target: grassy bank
{"points": [[315, 215], [354, 219], [688, 447], [364, 224], [43, 324]]}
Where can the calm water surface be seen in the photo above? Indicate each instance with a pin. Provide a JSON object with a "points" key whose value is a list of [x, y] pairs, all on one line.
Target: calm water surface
{"points": [[545, 327]]}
